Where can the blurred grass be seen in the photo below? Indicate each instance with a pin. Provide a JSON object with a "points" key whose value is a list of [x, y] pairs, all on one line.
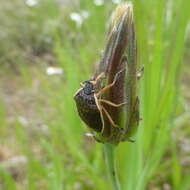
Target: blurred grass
{"points": [[60, 157]]}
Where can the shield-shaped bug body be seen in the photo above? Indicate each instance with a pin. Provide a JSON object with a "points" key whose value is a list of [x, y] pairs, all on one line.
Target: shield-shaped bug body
{"points": [[92, 107], [87, 107]]}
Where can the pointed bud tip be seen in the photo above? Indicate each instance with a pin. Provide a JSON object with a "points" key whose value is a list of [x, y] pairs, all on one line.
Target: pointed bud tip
{"points": [[123, 10]]}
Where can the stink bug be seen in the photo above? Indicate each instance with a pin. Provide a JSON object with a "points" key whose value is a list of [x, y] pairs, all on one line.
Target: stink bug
{"points": [[90, 104]]}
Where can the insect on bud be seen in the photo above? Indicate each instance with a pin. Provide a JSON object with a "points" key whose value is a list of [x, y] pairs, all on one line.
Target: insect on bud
{"points": [[108, 103]]}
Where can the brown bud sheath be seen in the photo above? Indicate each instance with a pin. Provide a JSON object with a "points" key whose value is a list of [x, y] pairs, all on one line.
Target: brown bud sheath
{"points": [[108, 103]]}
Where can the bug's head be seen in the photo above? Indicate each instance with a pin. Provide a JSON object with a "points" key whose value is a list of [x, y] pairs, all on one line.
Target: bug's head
{"points": [[93, 85], [88, 87]]}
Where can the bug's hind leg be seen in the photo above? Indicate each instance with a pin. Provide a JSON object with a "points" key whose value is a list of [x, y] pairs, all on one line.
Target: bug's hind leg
{"points": [[102, 109], [109, 117], [111, 103], [101, 114]]}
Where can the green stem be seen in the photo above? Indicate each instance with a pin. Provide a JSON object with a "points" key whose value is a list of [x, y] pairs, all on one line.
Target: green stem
{"points": [[111, 167]]}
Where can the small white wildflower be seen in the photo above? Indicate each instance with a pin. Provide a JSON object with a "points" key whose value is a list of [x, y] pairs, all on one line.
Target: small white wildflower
{"points": [[85, 14], [54, 71], [98, 2], [116, 1], [31, 3], [79, 18]]}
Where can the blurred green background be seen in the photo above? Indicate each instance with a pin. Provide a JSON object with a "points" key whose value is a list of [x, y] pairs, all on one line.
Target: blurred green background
{"points": [[47, 48]]}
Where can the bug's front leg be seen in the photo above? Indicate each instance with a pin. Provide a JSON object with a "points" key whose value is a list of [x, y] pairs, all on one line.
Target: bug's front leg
{"points": [[103, 90], [98, 78]]}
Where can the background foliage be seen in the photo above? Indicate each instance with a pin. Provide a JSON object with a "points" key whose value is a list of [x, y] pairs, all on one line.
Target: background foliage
{"points": [[42, 142]]}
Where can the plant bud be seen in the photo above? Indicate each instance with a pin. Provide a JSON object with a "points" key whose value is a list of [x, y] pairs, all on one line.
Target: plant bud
{"points": [[108, 103]]}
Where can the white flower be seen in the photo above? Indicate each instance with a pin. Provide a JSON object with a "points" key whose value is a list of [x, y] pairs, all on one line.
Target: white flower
{"points": [[79, 18], [31, 3], [54, 71], [76, 17], [98, 2], [116, 1]]}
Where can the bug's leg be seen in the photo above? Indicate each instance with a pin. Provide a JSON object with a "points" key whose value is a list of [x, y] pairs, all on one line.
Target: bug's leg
{"points": [[140, 73], [101, 114], [82, 85], [77, 92], [105, 89], [109, 117], [99, 77], [124, 60], [101, 109], [111, 103], [109, 85]]}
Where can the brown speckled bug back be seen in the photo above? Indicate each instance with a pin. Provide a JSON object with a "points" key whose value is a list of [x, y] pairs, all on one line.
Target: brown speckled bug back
{"points": [[87, 107]]}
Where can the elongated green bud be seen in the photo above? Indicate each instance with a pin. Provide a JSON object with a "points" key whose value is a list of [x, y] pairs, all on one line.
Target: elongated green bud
{"points": [[108, 102]]}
